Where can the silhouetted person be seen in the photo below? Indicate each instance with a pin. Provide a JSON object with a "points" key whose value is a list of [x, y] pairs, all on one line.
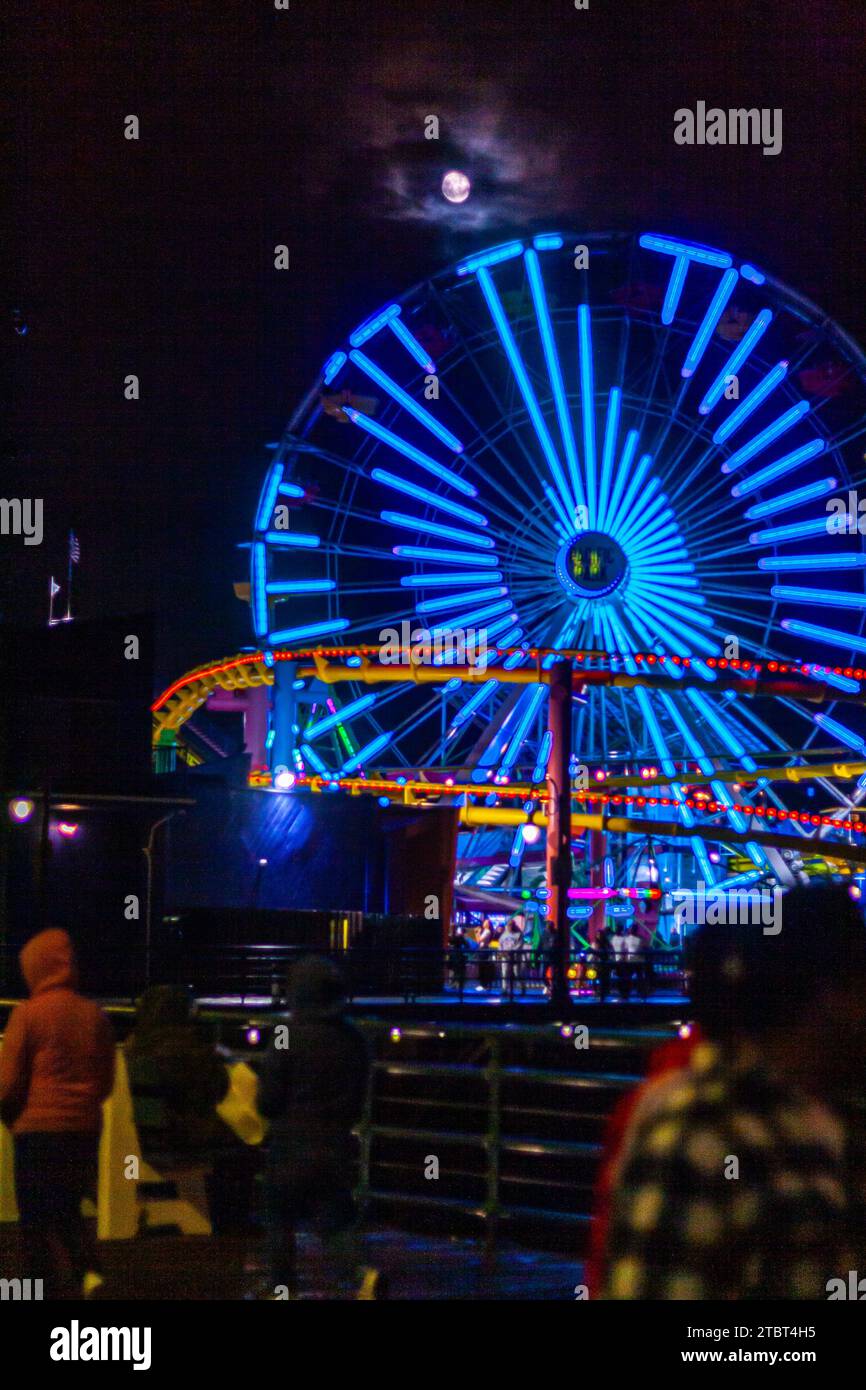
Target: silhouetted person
{"points": [[457, 958], [510, 942], [486, 965], [313, 1090], [548, 954], [737, 1177], [56, 1069], [177, 1078], [601, 956]]}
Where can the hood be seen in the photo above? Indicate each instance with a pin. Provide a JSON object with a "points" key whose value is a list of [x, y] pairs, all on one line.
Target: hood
{"points": [[316, 989], [48, 962]]}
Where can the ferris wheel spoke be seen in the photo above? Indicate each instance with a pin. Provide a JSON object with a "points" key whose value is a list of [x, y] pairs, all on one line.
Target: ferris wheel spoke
{"points": [[524, 385], [499, 407]]}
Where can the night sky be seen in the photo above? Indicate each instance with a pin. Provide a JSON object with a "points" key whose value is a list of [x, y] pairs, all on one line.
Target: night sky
{"points": [[306, 127]]}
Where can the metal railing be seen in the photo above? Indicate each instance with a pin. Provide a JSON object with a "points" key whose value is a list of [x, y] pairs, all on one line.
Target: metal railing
{"points": [[516, 1145], [413, 974]]}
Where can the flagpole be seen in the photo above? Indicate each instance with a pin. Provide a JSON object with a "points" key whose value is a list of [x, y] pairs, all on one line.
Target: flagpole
{"points": [[69, 582]]}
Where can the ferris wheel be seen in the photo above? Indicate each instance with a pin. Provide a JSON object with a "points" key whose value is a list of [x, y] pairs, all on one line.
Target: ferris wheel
{"points": [[619, 444]]}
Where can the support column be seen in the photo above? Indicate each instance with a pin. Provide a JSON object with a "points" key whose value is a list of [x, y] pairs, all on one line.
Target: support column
{"points": [[596, 849], [559, 823], [283, 704]]}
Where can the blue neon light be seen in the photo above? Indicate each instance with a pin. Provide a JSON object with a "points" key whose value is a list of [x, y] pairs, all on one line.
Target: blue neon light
{"points": [[831, 635], [474, 703], [611, 426], [372, 325], [827, 598], [269, 496], [259, 592], [410, 452], [821, 488], [498, 630], [323, 726], [436, 605], [554, 370], [754, 333], [516, 741], [435, 528], [543, 757], [363, 755], [547, 241], [506, 252], [587, 405], [293, 538], [777, 470], [446, 557], [625, 462], [766, 436], [683, 252], [845, 735], [332, 366], [408, 403], [506, 337], [526, 388], [410, 342], [477, 615], [301, 586], [848, 561], [433, 499], [441, 581], [297, 634], [710, 321], [566, 526], [311, 756], [692, 250], [291, 490], [751, 402], [749, 272], [658, 738], [818, 527]]}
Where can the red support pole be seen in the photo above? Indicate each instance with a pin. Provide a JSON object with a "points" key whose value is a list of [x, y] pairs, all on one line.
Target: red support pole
{"points": [[559, 823], [596, 850]]}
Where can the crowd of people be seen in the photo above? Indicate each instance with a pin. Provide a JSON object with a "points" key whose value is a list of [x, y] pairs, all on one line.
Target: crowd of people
{"points": [[57, 1067], [512, 957], [734, 1171]]}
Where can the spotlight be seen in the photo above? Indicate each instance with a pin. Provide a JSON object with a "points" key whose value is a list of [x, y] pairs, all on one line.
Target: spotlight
{"points": [[68, 829], [253, 1037], [531, 833], [395, 1035], [284, 779], [21, 809]]}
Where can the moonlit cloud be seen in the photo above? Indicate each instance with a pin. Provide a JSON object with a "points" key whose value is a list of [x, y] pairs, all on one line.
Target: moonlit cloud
{"points": [[517, 161]]}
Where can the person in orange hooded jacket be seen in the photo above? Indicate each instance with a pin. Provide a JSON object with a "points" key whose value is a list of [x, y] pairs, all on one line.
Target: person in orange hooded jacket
{"points": [[56, 1069]]}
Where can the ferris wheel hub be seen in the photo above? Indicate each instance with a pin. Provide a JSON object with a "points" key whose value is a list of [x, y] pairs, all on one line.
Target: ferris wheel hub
{"points": [[590, 565]]}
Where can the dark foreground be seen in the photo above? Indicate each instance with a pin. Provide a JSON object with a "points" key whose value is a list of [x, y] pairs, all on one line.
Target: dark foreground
{"points": [[416, 1267]]}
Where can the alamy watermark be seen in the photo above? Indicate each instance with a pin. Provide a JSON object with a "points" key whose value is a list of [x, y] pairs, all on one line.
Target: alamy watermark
{"points": [[736, 906], [21, 1290], [736, 126], [22, 516], [440, 646]]}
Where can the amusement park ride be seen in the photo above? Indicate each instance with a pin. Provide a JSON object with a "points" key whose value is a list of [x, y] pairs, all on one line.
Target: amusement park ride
{"points": [[619, 459]]}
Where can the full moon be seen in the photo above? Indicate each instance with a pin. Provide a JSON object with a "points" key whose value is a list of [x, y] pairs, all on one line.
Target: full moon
{"points": [[456, 186]]}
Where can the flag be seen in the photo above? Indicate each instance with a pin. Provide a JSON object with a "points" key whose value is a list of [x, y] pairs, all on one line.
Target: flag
{"points": [[74, 548], [55, 588]]}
